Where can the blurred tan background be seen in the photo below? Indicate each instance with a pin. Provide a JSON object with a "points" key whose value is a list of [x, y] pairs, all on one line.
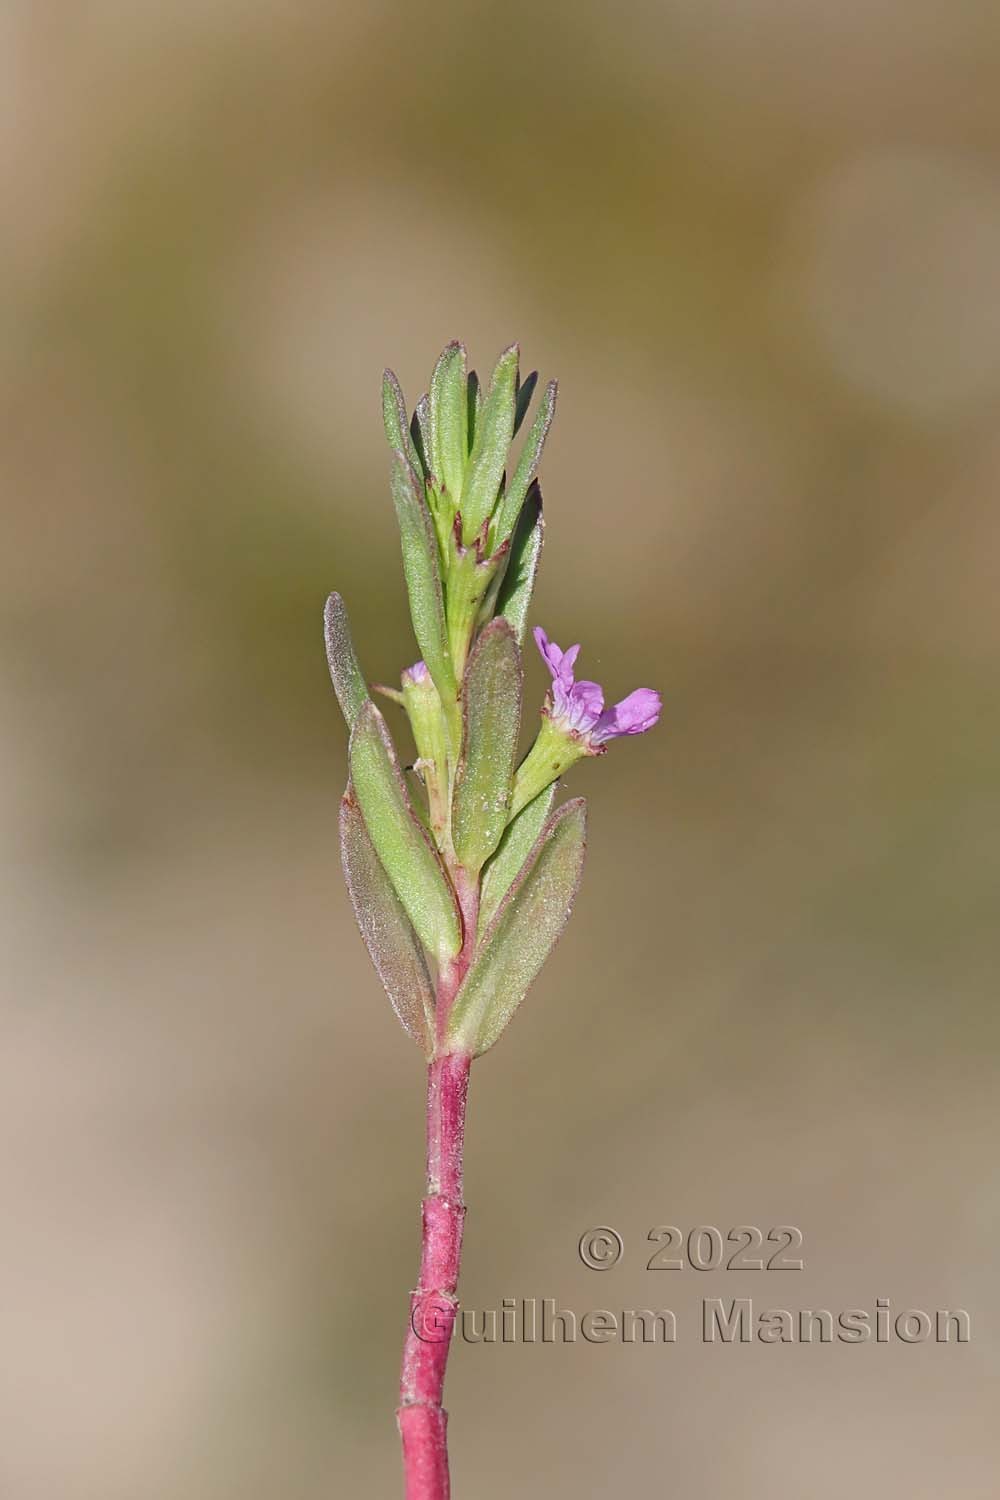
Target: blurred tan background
{"points": [[760, 246]]}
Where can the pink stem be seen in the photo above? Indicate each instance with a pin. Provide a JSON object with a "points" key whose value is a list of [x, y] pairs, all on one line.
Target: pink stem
{"points": [[422, 1420]]}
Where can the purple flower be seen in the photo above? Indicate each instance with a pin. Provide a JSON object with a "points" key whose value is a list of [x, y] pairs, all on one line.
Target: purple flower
{"points": [[579, 706], [415, 674]]}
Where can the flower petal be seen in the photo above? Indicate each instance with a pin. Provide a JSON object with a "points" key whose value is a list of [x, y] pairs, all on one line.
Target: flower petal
{"points": [[559, 663], [633, 715], [568, 662], [587, 700], [550, 654]]}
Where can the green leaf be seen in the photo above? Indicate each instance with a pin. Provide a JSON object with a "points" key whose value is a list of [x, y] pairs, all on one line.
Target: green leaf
{"points": [[518, 585], [423, 575], [348, 683], [491, 714], [527, 464], [389, 936], [397, 429], [494, 431], [449, 421], [512, 852], [525, 391], [522, 934], [400, 841]]}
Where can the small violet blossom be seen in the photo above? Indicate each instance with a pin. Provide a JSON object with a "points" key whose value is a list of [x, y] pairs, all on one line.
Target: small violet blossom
{"points": [[579, 706]]}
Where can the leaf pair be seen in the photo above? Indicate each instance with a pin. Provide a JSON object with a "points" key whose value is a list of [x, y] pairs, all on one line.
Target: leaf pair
{"points": [[402, 899], [503, 412], [459, 443], [440, 437], [524, 930], [396, 883], [397, 834], [459, 440]]}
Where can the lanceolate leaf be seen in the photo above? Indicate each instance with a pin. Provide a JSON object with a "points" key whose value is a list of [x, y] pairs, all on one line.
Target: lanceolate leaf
{"points": [[348, 682], [491, 713], [423, 575], [527, 464], [400, 842], [522, 934], [397, 429], [517, 587], [389, 936], [494, 430], [517, 843], [449, 421]]}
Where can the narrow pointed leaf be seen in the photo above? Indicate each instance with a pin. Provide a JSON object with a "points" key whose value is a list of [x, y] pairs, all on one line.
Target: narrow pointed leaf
{"points": [[491, 715], [449, 421], [423, 575], [348, 683], [525, 391], [397, 428], [388, 933], [523, 933], [518, 584], [512, 852], [400, 842], [489, 454], [527, 464]]}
